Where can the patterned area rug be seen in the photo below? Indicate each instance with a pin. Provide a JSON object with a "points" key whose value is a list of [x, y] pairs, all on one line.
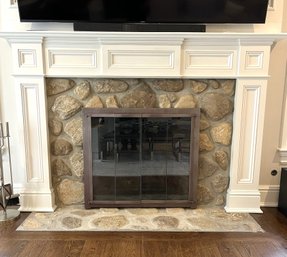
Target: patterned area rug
{"points": [[143, 219]]}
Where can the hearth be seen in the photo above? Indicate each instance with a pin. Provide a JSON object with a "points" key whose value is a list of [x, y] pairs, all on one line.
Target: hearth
{"points": [[141, 157]]}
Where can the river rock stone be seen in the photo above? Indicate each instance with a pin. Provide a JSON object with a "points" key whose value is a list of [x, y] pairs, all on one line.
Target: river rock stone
{"points": [[61, 147], [186, 101], [164, 102], [172, 97], [60, 168], [55, 127], [116, 221], [82, 91], [57, 86], [71, 222], [222, 159], [216, 106], [168, 85], [219, 183], [166, 222], [66, 106], [74, 129], [198, 86], [95, 102], [109, 86], [140, 97], [205, 143], [70, 192], [111, 102], [77, 163], [204, 195], [222, 133], [204, 123], [220, 200], [228, 87], [207, 167], [214, 84], [143, 211]]}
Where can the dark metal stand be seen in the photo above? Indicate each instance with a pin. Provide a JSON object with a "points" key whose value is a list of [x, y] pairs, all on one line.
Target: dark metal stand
{"points": [[6, 190]]}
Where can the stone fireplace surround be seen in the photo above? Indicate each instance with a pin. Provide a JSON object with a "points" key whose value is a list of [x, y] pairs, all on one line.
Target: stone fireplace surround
{"points": [[67, 97], [40, 55]]}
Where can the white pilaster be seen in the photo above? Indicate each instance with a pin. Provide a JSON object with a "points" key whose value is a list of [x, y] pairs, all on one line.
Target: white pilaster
{"points": [[243, 194], [37, 193]]}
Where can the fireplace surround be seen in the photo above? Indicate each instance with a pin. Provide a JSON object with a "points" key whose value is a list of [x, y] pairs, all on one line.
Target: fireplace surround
{"points": [[40, 55]]}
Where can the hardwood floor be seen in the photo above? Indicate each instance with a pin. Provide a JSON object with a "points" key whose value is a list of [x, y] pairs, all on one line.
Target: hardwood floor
{"points": [[272, 243]]}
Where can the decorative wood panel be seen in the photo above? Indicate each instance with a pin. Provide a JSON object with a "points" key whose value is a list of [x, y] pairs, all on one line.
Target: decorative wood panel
{"points": [[71, 62], [209, 62], [144, 60]]}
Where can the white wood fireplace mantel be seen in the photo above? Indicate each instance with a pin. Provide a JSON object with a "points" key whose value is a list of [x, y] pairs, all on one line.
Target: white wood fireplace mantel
{"points": [[244, 57]]}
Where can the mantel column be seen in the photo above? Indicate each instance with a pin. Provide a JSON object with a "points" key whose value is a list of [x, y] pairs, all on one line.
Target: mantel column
{"points": [[248, 122], [36, 193]]}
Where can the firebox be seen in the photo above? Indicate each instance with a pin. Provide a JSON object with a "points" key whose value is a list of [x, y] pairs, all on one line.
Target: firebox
{"points": [[135, 157]]}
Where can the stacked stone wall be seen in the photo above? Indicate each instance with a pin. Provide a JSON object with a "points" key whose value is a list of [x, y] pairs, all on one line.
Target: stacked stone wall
{"points": [[67, 98]]}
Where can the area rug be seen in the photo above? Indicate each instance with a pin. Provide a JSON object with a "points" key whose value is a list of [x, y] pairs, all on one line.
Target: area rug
{"points": [[142, 219]]}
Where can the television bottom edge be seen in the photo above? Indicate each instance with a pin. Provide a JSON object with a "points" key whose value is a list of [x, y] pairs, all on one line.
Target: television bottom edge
{"points": [[139, 27]]}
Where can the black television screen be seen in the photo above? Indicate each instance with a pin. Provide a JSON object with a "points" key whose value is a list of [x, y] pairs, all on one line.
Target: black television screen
{"points": [[144, 11]]}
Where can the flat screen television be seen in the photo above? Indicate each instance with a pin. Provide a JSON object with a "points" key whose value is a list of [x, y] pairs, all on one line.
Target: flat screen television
{"points": [[135, 14]]}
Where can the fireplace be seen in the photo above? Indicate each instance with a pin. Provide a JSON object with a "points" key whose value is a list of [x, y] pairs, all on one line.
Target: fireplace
{"points": [[141, 157], [40, 55]]}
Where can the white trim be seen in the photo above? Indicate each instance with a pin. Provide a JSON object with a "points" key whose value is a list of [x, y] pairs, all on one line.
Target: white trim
{"points": [[269, 195]]}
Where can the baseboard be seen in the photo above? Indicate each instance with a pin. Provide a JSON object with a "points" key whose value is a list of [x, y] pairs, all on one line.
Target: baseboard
{"points": [[247, 201], [269, 195]]}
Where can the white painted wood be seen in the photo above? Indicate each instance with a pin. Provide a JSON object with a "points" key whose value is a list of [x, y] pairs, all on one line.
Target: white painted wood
{"points": [[244, 57], [68, 62], [27, 58], [32, 121], [210, 62], [254, 60], [141, 60], [248, 123]]}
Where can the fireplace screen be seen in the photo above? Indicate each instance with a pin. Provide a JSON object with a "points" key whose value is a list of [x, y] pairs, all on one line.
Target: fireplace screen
{"points": [[141, 157]]}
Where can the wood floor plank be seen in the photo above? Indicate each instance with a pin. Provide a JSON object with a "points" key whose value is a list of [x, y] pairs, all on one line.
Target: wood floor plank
{"points": [[12, 248], [199, 249], [111, 248], [159, 248]]}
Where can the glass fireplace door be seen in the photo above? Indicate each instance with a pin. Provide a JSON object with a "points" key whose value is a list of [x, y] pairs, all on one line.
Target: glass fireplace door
{"points": [[128, 153], [141, 157]]}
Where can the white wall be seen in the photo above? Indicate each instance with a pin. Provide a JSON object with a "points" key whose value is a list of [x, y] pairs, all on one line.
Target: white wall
{"points": [[276, 23]]}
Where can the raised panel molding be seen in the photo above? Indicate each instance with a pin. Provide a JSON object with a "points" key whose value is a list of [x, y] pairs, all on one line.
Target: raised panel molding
{"points": [[255, 60], [32, 136], [215, 62], [144, 60], [72, 59], [27, 58]]}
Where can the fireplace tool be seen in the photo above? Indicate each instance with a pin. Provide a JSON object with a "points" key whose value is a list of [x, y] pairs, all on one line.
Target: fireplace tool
{"points": [[6, 190]]}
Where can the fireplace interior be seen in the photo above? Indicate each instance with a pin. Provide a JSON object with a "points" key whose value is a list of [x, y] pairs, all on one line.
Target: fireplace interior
{"points": [[141, 157]]}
